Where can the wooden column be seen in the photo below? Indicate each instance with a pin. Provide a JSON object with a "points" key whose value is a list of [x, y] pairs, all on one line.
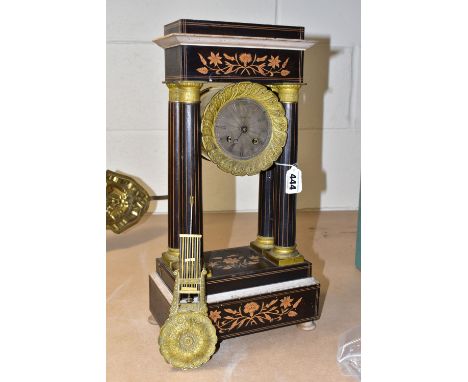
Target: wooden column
{"points": [[284, 251], [264, 238], [171, 256], [185, 176], [191, 209]]}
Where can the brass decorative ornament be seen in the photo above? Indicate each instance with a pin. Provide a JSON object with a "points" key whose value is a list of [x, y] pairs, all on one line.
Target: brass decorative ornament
{"points": [[187, 340], [173, 91], [126, 202], [284, 255], [244, 128], [188, 337], [184, 91], [263, 242], [287, 93]]}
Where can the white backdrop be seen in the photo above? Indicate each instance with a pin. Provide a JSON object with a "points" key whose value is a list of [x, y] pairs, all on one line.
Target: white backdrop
{"points": [[329, 109]]}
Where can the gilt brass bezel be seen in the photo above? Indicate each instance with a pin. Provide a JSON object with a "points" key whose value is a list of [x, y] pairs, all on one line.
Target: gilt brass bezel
{"points": [[126, 201], [196, 327], [279, 126]]}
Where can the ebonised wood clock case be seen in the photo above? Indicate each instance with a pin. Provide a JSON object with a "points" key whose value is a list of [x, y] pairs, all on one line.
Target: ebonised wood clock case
{"points": [[198, 52]]}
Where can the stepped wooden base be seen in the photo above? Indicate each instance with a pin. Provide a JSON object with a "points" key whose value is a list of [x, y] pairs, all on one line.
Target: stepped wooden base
{"points": [[250, 296], [240, 316]]}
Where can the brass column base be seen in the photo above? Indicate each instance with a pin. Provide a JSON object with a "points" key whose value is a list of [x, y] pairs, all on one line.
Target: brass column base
{"points": [[171, 258], [262, 243], [282, 256]]}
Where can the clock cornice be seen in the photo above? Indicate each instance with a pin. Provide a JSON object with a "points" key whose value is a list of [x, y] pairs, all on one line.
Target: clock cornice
{"points": [[191, 39]]}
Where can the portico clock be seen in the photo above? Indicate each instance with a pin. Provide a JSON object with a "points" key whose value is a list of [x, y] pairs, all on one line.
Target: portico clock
{"points": [[244, 128], [249, 126]]}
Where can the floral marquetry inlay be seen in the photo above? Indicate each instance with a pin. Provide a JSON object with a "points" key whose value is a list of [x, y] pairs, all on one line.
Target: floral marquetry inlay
{"points": [[244, 64], [253, 314], [234, 261]]}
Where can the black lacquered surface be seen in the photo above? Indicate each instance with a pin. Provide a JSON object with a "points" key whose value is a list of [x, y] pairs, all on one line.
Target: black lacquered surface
{"points": [[191, 208], [234, 29], [233, 64], [174, 174], [262, 312], [265, 203], [239, 268], [285, 204]]}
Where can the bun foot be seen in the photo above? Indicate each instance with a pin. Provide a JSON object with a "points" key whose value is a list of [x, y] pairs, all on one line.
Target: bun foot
{"points": [[309, 325]]}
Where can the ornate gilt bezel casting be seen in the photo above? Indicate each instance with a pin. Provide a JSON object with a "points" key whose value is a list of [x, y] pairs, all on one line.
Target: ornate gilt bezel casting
{"points": [[279, 125], [126, 201], [188, 338]]}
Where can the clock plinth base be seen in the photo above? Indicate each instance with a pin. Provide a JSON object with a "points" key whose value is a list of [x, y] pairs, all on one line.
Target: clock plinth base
{"points": [[282, 256], [246, 292]]}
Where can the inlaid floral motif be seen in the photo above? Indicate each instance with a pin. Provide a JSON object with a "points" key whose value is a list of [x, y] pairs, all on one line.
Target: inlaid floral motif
{"points": [[252, 314], [215, 59], [250, 308], [286, 302], [243, 64], [215, 315], [274, 62], [233, 261]]}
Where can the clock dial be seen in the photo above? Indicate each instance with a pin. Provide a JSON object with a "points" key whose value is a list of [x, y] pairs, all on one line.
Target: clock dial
{"points": [[243, 128]]}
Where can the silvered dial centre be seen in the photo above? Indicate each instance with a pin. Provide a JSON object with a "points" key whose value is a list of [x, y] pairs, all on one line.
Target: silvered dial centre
{"points": [[243, 128]]}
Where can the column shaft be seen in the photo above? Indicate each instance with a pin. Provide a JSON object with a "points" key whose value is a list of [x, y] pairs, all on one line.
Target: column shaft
{"points": [[171, 256], [190, 188], [285, 208], [264, 238], [185, 176], [174, 175], [190, 170], [284, 251]]}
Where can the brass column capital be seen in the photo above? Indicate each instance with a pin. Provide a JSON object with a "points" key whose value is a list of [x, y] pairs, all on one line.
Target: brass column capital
{"points": [[189, 91], [173, 91], [287, 92], [184, 91]]}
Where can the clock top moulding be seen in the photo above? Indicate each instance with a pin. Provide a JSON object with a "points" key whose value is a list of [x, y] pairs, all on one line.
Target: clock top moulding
{"points": [[214, 51]]}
